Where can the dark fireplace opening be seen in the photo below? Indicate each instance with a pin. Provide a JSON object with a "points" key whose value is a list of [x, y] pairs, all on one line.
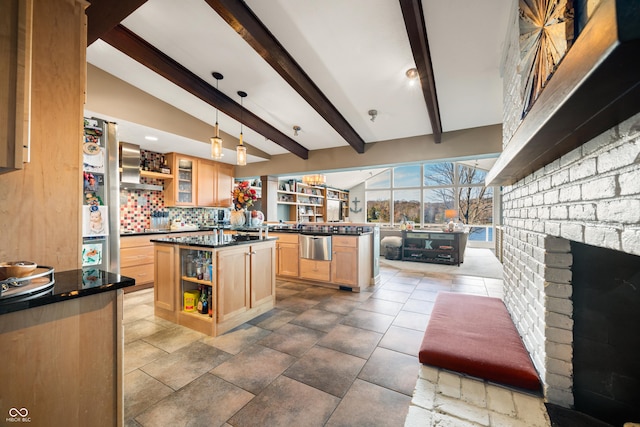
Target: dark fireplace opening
{"points": [[606, 352]]}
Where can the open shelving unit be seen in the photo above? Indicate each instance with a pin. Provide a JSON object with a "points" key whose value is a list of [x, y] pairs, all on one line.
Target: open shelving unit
{"points": [[300, 202], [195, 320], [434, 247]]}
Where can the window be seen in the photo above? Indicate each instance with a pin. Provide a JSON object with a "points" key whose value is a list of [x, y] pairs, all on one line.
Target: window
{"points": [[382, 180], [378, 209], [406, 205], [422, 193]]}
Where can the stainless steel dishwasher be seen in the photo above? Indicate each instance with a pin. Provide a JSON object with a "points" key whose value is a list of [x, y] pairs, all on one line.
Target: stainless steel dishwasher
{"points": [[315, 247]]}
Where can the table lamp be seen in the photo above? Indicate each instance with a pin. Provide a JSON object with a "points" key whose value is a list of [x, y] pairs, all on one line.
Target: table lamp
{"points": [[450, 214]]}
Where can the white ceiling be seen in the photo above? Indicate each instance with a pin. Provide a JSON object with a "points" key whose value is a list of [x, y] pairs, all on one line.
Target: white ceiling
{"points": [[356, 52]]}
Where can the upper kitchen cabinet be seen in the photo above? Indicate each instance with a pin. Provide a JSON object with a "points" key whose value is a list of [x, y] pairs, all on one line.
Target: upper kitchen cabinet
{"points": [[198, 182], [224, 184], [181, 190], [15, 83]]}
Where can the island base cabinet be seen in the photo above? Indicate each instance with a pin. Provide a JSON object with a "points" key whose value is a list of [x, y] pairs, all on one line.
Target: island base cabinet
{"points": [[287, 254], [233, 282], [164, 293], [263, 283], [245, 283]]}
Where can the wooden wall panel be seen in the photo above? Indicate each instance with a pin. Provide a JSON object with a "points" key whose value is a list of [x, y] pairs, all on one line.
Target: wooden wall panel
{"points": [[40, 204]]}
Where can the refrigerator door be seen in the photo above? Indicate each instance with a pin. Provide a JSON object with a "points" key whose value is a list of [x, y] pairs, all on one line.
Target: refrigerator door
{"points": [[334, 211]]}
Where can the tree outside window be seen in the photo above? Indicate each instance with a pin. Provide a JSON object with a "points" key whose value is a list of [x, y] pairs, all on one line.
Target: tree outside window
{"points": [[378, 206], [406, 206]]}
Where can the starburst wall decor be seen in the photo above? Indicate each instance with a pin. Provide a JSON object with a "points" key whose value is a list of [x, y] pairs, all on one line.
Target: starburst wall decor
{"points": [[546, 33]]}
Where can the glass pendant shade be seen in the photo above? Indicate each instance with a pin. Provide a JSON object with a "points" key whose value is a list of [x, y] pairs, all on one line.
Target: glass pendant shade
{"points": [[216, 145], [241, 152]]}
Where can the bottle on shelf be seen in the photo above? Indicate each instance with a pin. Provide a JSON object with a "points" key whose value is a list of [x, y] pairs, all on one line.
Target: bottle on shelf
{"points": [[209, 302], [199, 305], [203, 304]]}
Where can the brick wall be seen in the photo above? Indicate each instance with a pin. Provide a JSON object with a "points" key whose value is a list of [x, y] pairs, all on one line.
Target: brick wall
{"points": [[590, 195]]}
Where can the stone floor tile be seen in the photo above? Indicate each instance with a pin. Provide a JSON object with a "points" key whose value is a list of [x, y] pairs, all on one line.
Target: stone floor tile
{"points": [[399, 285], [286, 402], [391, 369], [370, 405], [135, 312], [194, 404], [354, 341], [292, 339], [184, 365], [172, 339], [237, 339], [338, 305], [142, 391], [422, 295], [468, 280], [381, 306], [389, 295], [273, 319], [376, 322], [404, 340], [141, 328], [296, 304], [254, 368], [282, 293], [418, 306], [411, 320], [318, 319], [327, 370], [139, 353]]}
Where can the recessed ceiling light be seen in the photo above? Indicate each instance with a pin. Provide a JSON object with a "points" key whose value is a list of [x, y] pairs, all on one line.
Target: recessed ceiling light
{"points": [[150, 138]]}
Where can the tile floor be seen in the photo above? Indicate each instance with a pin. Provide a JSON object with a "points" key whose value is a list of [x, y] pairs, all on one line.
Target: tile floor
{"points": [[321, 357]]}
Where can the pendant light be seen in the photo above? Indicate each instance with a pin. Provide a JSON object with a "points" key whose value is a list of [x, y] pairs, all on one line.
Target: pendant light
{"points": [[216, 141], [241, 150]]}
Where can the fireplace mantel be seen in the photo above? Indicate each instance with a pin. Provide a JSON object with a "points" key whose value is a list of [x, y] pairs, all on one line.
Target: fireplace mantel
{"points": [[595, 87]]}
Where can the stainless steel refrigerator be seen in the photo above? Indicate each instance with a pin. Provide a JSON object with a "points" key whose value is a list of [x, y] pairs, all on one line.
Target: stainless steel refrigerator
{"points": [[334, 210], [101, 200]]}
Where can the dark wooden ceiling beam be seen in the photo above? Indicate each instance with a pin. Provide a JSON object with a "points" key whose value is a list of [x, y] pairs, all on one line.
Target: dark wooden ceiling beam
{"points": [[242, 19], [103, 15], [137, 48], [417, 31]]}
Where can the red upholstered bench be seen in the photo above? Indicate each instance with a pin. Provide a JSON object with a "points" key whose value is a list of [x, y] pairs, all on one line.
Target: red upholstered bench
{"points": [[475, 335]]}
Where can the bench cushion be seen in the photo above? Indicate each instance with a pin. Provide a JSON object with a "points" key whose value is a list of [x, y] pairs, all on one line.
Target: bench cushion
{"points": [[475, 335]]}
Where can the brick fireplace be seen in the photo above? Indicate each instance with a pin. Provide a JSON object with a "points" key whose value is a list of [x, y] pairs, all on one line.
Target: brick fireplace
{"points": [[582, 188]]}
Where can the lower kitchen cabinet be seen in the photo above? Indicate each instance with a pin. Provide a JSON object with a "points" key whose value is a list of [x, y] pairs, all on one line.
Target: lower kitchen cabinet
{"points": [[233, 282], [164, 297], [136, 260], [263, 281], [350, 263], [287, 254], [315, 270]]}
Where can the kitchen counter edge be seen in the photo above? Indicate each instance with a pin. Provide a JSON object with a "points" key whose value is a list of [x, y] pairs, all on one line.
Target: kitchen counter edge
{"points": [[69, 285]]}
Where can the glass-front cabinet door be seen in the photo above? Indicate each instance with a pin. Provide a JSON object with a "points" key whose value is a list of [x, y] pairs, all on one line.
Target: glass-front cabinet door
{"points": [[181, 192]]}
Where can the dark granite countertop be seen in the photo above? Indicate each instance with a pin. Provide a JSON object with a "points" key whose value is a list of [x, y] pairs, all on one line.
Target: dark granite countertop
{"points": [[209, 241], [67, 285]]}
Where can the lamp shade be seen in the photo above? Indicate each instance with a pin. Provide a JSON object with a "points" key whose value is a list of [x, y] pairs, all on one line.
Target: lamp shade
{"points": [[450, 213]]}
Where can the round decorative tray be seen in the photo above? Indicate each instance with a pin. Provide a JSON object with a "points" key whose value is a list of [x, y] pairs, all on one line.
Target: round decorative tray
{"points": [[24, 288]]}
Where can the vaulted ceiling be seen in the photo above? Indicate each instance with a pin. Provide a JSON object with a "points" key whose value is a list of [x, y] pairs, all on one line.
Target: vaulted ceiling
{"points": [[321, 66]]}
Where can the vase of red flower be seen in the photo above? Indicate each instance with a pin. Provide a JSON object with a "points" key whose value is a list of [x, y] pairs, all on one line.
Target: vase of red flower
{"points": [[243, 198]]}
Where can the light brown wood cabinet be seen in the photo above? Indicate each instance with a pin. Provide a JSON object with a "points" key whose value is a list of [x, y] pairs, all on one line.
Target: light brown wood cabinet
{"points": [[164, 295], [287, 255], [315, 270], [137, 260], [351, 263], [198, 182], [245, 283]]}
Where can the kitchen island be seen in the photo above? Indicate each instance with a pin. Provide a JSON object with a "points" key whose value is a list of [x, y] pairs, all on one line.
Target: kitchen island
{"points": [[62, 358], [239, 275], [336, 255]]}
